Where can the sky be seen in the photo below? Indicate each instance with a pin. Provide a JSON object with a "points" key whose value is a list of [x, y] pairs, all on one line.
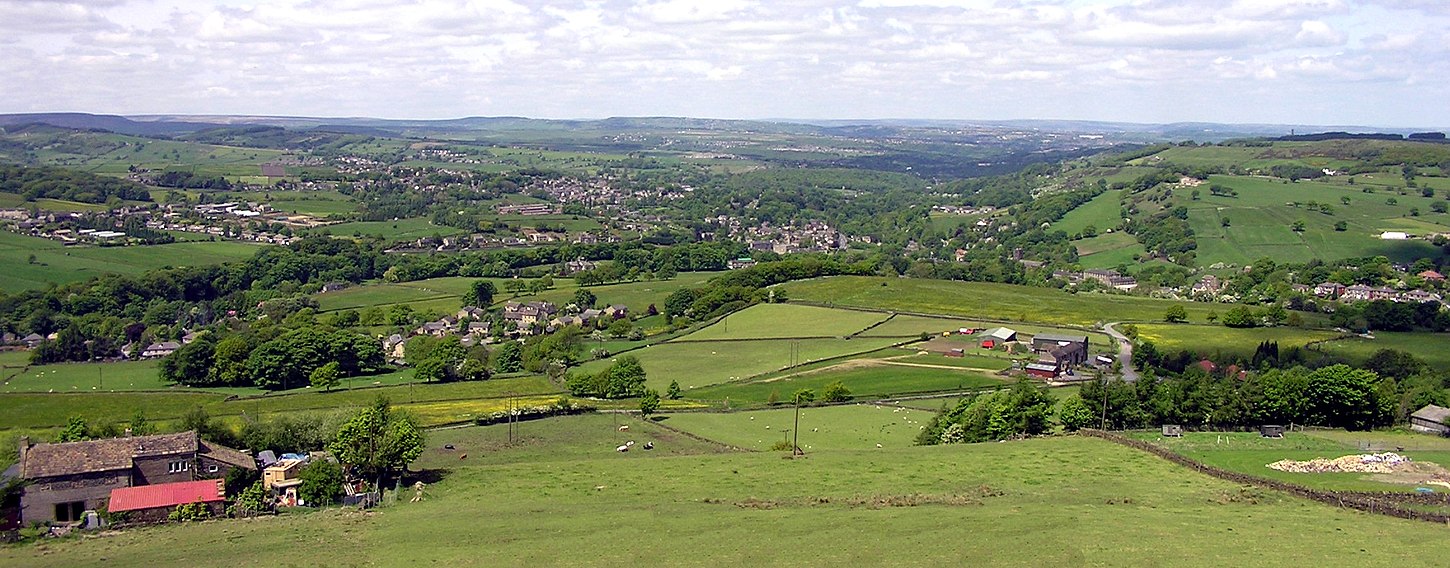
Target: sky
{"points": [[1323, 62]]}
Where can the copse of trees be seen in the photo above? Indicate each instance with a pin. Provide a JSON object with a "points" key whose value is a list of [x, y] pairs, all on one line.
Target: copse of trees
{"points": [[58, 183], [285, 361], [625, 378], [1023, 410]]}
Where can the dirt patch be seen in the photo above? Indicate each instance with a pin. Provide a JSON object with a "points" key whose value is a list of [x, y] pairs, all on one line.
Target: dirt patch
{"points": [[845, 366], [1386, 467]]}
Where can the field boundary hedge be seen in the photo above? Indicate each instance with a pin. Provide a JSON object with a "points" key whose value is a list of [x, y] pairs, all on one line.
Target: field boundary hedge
{"points": [[1379, 503]]}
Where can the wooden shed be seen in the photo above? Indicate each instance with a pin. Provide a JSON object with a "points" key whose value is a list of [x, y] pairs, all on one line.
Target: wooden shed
{"points": [[1172, 431], [1271, 431]]}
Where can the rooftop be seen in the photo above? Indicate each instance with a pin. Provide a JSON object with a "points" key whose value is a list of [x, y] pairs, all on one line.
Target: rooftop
{"points": [[166, 495]]}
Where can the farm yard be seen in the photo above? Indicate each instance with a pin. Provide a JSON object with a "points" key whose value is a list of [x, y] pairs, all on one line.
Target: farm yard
{"points": [[868, 503]]}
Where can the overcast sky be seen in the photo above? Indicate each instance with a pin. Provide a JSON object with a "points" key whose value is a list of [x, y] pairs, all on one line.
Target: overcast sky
{"points": [[1361, 62]]}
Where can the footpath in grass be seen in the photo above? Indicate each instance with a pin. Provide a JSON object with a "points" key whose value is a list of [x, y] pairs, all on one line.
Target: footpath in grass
{"points": [[876, 507]]}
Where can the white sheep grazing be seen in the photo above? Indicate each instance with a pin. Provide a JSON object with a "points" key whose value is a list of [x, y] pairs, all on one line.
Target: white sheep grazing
{"points": [[624, 428], [629, 443], [878, 445], [623, 448], [767, 426]]}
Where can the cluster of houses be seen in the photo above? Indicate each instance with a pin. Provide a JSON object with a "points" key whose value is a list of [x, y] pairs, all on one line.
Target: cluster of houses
{"points": [[1363, 293], [1108, 278], [475, 326]]}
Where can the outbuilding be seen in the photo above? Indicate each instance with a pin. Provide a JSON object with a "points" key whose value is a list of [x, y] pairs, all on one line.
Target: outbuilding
{"points": [[154, 503], [1431, 419]]}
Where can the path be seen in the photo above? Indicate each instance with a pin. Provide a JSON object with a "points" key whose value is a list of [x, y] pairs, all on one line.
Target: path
{"points": [[1125, 352]]}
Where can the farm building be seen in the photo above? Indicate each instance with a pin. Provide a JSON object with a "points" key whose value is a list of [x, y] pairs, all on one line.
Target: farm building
{"points": [[64, 480], [1043, 370], [1431, 419], [1172, 431], [153, 503], [1271, 431], [1061, 350], [1001, 334]]}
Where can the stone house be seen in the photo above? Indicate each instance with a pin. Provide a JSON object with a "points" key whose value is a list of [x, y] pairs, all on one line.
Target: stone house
{"points": [[66, 479]]}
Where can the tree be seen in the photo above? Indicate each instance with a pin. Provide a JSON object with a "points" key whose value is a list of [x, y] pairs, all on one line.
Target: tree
{"points": [[1394, 363], [649, 403], [376, 442], [1343, 397], [139, 425], [584, 299], [804, 396], [321, 483], [75, 431], [1223, 222], [431, 370], [480, 294], [1341, 226], [1075, 414], [1439, 206], [1212, 316], [508, 358], [1176, 314], [673, 393], [678, 302], [1298, 226], [325, 377], [1239, 316], [254, 500], [836, 392]]}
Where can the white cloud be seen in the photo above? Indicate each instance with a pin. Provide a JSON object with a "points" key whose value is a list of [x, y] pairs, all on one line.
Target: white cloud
{"points": [[734, 58]]}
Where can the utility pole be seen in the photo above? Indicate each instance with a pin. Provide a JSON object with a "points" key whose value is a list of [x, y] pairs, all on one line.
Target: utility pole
{"points": [[795, 445]]}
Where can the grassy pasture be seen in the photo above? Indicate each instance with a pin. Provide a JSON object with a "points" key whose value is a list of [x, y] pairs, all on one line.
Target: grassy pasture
{"points": [[984, 300], [756, 509], [1102, 212], [56, 263], [39, 410], [398, 230], [856, 426], [564, 438], [1210, 339], [1250, 453], [443, 294], [699, 363], [1260, 219], [910, 325], [1429, 347], [1108, 250], [865, 378], [768, 321]]}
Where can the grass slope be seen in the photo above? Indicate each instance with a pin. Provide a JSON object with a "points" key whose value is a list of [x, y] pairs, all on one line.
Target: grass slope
{"points": [[56, 263], [768, 321], [984, 300], [866, 379], [1211, 339], [698, 363], [1101, 504]]}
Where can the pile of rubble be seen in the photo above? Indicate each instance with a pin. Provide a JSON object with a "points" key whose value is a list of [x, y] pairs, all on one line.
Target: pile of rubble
{"points": [[1388, 462]]}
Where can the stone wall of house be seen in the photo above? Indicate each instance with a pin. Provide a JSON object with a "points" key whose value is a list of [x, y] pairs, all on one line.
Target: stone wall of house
{"points": [[41, 496], [155, 470]]}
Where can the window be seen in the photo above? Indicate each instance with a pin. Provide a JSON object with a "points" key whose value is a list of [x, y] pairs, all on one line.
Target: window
{"points": [[178, 467], [212, 469], [70, 512]]}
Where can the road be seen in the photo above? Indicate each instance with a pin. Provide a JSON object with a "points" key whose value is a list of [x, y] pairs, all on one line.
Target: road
{"points": [[1125, 352]]}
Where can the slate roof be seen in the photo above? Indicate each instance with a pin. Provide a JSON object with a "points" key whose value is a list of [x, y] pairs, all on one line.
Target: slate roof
{"points": [[1058, 338], [68, 458], [226, 455], [1433, 413], [166, 495]]}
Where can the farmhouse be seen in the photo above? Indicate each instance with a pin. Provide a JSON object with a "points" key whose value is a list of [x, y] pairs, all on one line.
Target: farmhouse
{"points": [[1431, 419], [1209, 284], [154, 503], [160, 349], [1067, 349], [1329, 289], [525, 314], [64, 480]]}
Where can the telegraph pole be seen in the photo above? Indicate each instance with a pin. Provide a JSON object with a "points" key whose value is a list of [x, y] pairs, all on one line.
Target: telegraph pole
{"points": [[795, 444]]}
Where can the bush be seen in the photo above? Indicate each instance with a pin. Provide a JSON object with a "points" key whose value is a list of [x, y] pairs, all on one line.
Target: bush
{"points": [[321, 483], [836, 392], [189, 512]]}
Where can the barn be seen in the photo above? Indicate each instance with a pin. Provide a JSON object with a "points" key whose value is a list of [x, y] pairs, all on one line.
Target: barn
{"points": [[154, 503], [1431, 419]]}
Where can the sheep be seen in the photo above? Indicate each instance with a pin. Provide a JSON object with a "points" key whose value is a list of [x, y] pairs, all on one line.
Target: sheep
{"points": [[629, 443], [878, 445], [649, 445], [624, 428], [623, 448]]}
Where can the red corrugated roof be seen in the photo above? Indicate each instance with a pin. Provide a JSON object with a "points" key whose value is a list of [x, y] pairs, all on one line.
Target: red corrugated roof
{"points": [[166, 495]]}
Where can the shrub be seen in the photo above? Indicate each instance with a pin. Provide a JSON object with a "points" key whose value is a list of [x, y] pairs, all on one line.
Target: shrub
{"points": [[836, 392], [189, 512], [321, 483]]}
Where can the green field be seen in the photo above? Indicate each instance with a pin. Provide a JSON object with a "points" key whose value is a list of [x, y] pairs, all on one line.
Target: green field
{"points": [[56, 263], [698, 363], [1429, 347], [1250, 453], [894, 506], [113, 154], [399, 230], [850, 427], [985, 300], [1108, 250], [41, 410], [867, 379], [444, 294], [1103, 213], [770, 321], [1212, 339], [565, 438]]}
